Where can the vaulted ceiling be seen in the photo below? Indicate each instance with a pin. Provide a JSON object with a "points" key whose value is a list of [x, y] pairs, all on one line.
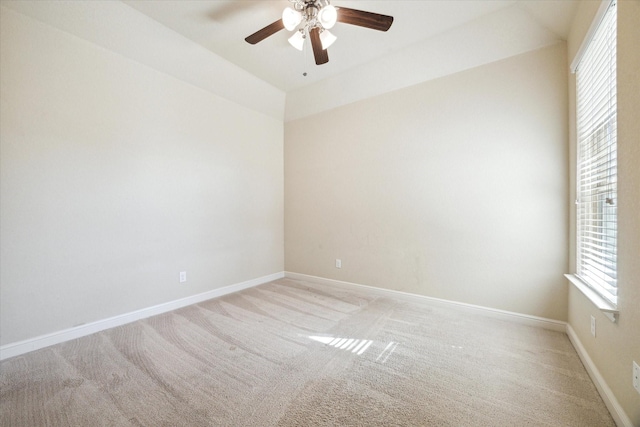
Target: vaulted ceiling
{"points": [[221, 27], [427, 40]]}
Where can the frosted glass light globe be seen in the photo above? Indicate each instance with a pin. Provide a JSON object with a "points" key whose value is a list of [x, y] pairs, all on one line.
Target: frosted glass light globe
{"points": [[328, 16], [291, 18]]}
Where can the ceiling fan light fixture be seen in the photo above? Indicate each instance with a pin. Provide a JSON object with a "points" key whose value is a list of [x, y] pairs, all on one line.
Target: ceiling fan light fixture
{"points": [[297, 40], [327, 39], [328, 16], [313, 18], [291, 18]]}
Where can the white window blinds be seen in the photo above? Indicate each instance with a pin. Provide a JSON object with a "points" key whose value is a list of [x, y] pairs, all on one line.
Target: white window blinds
{"points": [[597, 160]]}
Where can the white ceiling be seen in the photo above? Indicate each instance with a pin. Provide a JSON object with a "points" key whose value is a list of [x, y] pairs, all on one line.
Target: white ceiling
{"points": [[428, 39], [221, 27]]}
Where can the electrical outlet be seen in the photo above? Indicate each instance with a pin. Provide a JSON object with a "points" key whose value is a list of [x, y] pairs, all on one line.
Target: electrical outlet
{"points": [[183, 276], [593, 326], [338, 263], [636, 376]]}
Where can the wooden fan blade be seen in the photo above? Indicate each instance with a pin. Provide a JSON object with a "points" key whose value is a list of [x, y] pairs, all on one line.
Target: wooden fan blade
{"points": [[267, 31], [320, 54], [375, 21]]}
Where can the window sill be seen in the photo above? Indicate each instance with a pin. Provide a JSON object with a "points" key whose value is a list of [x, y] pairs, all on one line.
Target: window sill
{"points": [[607, 308]]}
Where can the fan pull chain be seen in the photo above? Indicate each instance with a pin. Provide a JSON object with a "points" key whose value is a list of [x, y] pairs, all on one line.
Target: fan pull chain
{"points": [[304, 49]]}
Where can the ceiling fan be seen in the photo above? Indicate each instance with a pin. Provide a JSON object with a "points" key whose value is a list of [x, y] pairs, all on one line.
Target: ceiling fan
{"points": [[314, 18]]}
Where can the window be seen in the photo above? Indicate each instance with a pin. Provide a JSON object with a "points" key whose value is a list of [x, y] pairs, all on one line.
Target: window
{"points": [[597, 160]]}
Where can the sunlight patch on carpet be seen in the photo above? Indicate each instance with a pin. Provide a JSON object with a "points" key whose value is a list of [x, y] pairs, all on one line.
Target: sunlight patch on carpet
{"points": [[355, 345]]}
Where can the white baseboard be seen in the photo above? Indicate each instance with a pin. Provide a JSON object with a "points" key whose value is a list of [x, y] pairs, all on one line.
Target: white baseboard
{"points": [[525, 319], [22, 347], [619, 416]]}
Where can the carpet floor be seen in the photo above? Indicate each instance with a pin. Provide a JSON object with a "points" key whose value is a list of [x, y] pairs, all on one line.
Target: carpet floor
{"points": [[295, 353]]}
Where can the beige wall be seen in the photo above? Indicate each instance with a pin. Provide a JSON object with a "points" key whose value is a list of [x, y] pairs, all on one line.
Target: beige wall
{"points": [[616, 345], [116, 177], [455, 188]]}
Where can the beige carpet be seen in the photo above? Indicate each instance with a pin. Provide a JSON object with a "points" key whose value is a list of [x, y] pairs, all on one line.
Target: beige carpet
{"points": [[292, 353]]}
